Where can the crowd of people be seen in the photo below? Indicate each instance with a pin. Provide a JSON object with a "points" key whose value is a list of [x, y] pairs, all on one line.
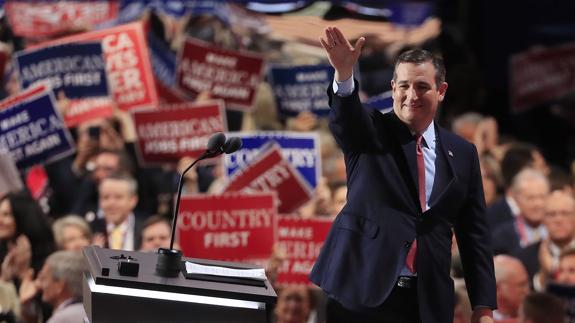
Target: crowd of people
{"points": [[101, 195]]}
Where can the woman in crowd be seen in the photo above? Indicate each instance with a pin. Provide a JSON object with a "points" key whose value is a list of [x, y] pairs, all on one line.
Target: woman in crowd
{"points": [[25, 237], [71, 233]]}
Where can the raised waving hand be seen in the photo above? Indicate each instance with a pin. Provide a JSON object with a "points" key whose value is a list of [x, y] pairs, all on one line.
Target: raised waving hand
{"points": [[341, 54]]}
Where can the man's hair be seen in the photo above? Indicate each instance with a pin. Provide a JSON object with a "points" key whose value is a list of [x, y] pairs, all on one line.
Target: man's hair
{"points": [[528, 174], [420, 56], [125, 164], [517, 157], [544, 308], [559, 179], [70, 220], [132, 184], [155, 219], [69, 267]]}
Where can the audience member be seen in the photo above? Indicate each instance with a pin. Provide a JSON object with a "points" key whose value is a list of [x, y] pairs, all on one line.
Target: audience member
{"points": [[25, 236], [542, 308], [119, 224], [543, 256], [518, 157], [156, 233], [103, 164], [566, 273], [294, 305], [512, 286], [72, 233], [60, 283], [529, 190]]}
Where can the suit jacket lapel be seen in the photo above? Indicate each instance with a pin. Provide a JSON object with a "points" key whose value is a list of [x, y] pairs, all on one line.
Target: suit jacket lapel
{"points": [[406, 159], [444, 171]]}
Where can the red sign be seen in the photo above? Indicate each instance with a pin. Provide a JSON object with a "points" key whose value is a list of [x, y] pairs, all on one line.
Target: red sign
{"points": [[128, 64], [34, 19], [542, 75], [225, 74], [230, 227], [168, 134], [81, 110], [168, 95], [271, 172], [301, 240], [23, 95]]}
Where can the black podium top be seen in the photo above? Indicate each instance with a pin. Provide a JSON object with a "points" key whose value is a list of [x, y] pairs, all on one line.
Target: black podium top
{"points": [[103, 266]]}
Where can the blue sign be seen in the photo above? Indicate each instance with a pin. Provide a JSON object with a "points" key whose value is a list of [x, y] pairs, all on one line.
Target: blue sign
{"points": [[382, 102], [301, 150], [32, 131], [163, 61], [77, 69], [301, 88]]}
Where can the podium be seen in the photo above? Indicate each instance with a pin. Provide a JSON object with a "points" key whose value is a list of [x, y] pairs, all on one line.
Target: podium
{"points": [[112, 295]]}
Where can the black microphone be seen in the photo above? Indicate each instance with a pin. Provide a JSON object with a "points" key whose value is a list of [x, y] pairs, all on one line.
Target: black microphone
{"points": [[232, 145], [168, 264]]}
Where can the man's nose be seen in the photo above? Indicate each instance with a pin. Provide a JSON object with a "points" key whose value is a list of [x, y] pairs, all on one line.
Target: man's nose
{"points": [[411, 94]]}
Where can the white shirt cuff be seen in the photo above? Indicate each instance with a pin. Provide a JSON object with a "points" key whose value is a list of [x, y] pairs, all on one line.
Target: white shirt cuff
{"points": [[344, 88]]}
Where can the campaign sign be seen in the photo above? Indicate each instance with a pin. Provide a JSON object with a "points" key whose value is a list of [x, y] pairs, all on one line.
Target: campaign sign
{"points": [[163, 61], [168, 95], [301, 150], [81, 110], [301, 88], [225, 74], [301, 240], [32, 130], [128, 64], [382, 102], [269, 171], [34, 19], [542, 75], [77, 69], [168, 134], [233, 227]]}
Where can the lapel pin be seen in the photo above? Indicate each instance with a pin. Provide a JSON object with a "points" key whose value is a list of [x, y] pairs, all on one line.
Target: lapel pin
{"points": [[450, 153]]}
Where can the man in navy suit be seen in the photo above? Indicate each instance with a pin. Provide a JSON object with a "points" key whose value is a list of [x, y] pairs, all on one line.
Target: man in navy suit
{"points": [[410, 185]]}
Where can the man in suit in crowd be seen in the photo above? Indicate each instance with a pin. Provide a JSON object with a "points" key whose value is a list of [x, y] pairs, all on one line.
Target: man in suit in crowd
{"points": [[518, 157], [529, 190], [60, 283], [410, 182], [120, 227], [512, 287], [541, 259]]}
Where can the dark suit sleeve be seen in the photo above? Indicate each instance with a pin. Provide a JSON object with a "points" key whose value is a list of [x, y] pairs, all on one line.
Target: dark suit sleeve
{"points": [[350, 123], [474, 241]]}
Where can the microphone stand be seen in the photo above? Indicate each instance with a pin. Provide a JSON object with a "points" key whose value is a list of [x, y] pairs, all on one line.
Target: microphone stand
{"points": [[169, 260]]}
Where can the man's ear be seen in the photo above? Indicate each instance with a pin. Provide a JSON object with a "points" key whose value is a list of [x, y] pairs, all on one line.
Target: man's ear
{"points": [[442, 90]]}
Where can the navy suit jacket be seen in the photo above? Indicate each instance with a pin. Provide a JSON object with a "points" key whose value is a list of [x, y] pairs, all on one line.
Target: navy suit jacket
{"points": [[499, 213], [506, 239], [364, 252], [529, 256]]}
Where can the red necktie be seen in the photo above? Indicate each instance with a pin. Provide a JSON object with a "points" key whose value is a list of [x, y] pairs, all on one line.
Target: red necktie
{"points": [[410, 259]]}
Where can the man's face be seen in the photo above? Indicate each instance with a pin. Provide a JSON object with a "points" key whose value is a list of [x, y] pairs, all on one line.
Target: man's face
{"points": [[116, 200], [560, 217], [293, 305], [51, 288], [513, 289], [156, 236], [104, 165], [567, 270], [530, 196], [416, 96], [74, 238]]}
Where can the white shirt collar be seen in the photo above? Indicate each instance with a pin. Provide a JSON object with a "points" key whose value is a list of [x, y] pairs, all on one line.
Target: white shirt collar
{"points": [[429, 136]]}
